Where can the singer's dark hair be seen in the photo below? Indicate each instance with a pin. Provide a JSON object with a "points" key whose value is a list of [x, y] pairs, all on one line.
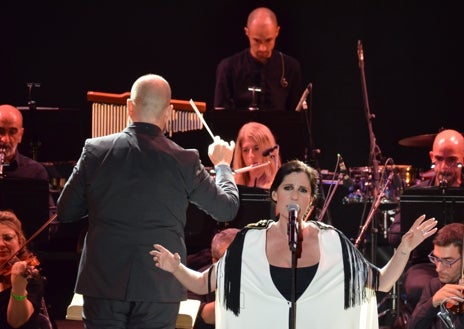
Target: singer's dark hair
{"points": [[297, 166]]}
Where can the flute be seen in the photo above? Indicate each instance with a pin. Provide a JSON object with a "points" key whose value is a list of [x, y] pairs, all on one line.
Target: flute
{"points": [[253, 166]]}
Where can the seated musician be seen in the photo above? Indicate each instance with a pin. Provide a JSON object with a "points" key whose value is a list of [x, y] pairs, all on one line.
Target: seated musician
{"points": [[257, 153], [443, 294], [447, 157], [21, 286], [252, 141], [259, 77], [12, 163]]}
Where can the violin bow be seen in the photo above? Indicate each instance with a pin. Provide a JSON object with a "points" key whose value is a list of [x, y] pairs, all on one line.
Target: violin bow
{"points": [[33, 236], [461, 281]]}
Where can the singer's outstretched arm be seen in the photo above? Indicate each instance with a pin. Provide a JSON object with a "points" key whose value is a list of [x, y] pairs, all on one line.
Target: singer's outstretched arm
{"points": [[418, 232], [194, 281], [197, 282]]}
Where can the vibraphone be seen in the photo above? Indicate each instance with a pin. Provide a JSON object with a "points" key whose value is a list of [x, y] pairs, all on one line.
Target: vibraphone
{"points": [[109, 114]]}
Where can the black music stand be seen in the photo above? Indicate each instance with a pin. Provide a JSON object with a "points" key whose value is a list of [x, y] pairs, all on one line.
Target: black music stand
{"points": [[445, 204], [255, 204]]}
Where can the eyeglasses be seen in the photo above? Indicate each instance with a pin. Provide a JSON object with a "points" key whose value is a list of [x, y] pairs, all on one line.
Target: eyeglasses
{"points": [[445, 262], [7, 237]]}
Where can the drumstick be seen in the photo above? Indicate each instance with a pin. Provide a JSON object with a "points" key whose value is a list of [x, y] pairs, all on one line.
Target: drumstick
{"points": [[201, 118]]}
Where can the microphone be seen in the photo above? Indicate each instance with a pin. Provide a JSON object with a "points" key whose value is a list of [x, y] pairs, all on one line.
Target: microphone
{"points": [[306, 92], [268, 151], [344, 172], [360, 54], [2, 160], [292, 227], [397, 181], [341, 164]]}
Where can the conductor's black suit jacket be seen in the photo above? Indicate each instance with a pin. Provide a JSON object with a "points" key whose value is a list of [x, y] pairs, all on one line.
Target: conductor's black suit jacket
{"points": [[135, 187]]}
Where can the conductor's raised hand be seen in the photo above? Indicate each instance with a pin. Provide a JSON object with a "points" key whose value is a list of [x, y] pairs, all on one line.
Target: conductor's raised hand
{"points": [[221, 152]]}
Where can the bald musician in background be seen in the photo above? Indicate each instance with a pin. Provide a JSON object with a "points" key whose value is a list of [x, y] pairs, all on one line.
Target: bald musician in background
{"points": [[259, 77], [14, 163]]}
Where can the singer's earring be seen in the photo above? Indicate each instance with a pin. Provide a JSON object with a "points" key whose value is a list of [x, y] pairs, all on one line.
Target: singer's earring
{"points": [[432, 165]]}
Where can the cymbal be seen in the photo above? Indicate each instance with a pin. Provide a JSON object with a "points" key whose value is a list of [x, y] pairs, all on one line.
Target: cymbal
{"points": [[418, 141]]}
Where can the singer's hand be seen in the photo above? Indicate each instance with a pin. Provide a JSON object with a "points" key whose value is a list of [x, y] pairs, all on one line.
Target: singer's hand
{"points": [[419, 231], [221, 152], [164, 259]]}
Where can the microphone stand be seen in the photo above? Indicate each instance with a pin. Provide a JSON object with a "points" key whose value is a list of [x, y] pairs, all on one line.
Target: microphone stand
{"points": [[292, 319], [374, 151], [331, 194], [375, 206], [293, 244], [254, 105], [35, 143], [307, 115], [312, 160]]}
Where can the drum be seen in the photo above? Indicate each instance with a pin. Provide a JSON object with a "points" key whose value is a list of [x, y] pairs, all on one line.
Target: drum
{"points": [[363, 179], [406, 172]]}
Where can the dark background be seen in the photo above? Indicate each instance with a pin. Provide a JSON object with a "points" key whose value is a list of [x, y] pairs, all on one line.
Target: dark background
{"points": [[413, 68], [413, 64]]}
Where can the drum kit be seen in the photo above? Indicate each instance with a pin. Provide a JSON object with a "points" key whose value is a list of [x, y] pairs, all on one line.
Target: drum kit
{"points": [[361, 179]]}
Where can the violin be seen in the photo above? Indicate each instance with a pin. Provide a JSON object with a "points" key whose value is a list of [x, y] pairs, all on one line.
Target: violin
{"points": [[458, 308], [455, 309], [31, 263]]}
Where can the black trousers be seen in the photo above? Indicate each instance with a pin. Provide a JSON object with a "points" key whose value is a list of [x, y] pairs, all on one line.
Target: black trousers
{"points": [[99, 313]]}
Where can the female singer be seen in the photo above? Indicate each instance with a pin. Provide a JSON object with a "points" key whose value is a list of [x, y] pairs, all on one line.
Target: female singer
{"points": [[335, 284], [21, 286]]}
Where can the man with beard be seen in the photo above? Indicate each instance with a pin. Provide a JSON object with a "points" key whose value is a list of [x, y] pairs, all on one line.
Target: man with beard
{"points": [[14, 164]]}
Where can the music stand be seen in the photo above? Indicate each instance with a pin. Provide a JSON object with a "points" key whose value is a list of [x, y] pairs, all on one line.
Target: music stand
{"points": [[445, 204], [255, 204]]}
